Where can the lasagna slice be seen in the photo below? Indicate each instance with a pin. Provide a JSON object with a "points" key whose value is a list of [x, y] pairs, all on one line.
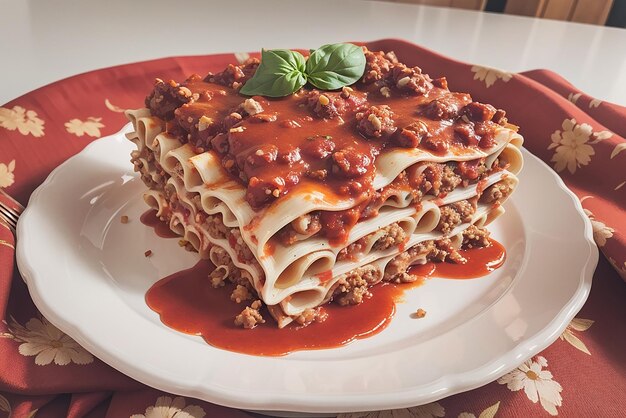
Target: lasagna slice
{"points": [[317, 196]]}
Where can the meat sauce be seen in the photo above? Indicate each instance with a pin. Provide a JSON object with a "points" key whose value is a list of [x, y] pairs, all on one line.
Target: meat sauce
{"points": [[327, 139], [480, 262], [188, 303], [160, 228]]}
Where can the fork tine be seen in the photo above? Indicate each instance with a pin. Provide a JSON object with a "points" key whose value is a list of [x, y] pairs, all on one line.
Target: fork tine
{"points": [[10, 203], [10, 212], [12, 227], [8, 215]]}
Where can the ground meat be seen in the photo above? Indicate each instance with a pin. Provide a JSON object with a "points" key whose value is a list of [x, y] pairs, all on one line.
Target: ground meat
{"points": [[441, 109], [350, 163], [261, 191], [152, 173], [410, 79], [479, 112], [497, 192], [166, 97], [351, 289], [217, 278], [454, 214], [310, 315], [412, 135], [377, 65], [250, 316], [235, 75], [450, 219], [475, 237], [465, 208], [288, 235], [429, 181], [221, 257], [318, 174], [385, 71], [434, 250], [320, 147], [466, 134], [352, 251], [420, 313], [393, 235], [471, 170], [244, 254], [449, 179], [326, 105], [146, 175], [234, 276], [376, 122], [340, 149], [240, 294], [396, 269], [436, 143], [500, 117], [445, 251], [440, 179], [215, 226], [263, 155], [441, 82]]}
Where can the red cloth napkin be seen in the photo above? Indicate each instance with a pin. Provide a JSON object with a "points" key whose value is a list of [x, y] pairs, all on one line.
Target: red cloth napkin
{"points": [[44, 370]]}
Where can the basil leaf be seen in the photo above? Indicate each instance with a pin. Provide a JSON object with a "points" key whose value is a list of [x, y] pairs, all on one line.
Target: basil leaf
{"points": [[334, 66], [280, 73]]}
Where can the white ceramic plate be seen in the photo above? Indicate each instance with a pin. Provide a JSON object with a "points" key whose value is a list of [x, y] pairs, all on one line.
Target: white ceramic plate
{"points": [[87, 273]]}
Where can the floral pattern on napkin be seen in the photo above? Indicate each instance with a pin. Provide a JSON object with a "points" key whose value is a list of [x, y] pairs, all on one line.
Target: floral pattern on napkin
{"points": [[581, 137]]}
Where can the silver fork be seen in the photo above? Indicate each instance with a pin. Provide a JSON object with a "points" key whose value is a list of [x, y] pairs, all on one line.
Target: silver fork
{"points": [[10, 211]]}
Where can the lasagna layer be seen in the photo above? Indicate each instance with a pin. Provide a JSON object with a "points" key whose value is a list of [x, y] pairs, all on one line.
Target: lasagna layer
{"points": [[305, 199]]}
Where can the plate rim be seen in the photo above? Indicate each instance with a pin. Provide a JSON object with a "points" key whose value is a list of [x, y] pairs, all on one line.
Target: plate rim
{"points": [[443, 387]]}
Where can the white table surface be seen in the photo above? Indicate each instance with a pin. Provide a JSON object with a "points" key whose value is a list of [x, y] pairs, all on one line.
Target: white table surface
{"points": [[46, 40]]}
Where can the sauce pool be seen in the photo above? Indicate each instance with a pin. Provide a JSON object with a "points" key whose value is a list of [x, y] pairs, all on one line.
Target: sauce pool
{"points": [[161, 228], [480, 262], [188, 303]]}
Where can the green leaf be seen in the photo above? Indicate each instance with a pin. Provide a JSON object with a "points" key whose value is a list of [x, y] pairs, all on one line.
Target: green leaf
{"points": [[280, 73], [336, 65]]}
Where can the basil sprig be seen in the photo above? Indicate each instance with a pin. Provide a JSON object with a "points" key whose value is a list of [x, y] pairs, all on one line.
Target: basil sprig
{"points": [[334, 66], [283, 72], [280, 73]]}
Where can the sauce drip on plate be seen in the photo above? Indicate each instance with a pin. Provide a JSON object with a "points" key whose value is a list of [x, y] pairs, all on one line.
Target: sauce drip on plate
{"points": [[188, 303], [480, 262], [161, 228]]}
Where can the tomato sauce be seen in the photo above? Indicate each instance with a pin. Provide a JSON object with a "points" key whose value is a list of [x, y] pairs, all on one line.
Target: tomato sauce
{"points": [[480, 262], [188, 303], [161, 228], [330, 139]]}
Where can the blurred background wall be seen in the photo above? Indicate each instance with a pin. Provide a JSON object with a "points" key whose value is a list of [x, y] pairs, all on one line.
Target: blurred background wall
{"points": [[597, 12]]}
